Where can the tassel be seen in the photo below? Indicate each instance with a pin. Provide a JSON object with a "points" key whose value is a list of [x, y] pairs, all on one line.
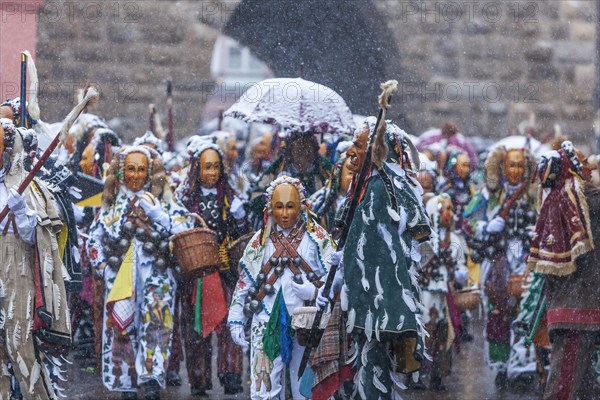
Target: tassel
{"points": [[2, 289], [11, 306], [35, 375], [369, 325], [28, 313], [407, 296], [393, 214], [361, 383], [415, 220], [377, 330], [384, 321], [400, 324], [22, 366], [57, 301], [17, 336], [376, 382], [2, 318], [351, 320], [363, 280]]}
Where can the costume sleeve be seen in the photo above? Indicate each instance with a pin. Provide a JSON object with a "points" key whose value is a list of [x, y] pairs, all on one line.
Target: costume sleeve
{"points": [[236, 309], [94, 245], [26, 220], [179, 221], [474, 218]]}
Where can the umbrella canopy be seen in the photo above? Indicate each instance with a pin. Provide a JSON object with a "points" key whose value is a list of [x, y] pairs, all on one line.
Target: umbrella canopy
{"points": [[295, 105], [433, 138], [519, 142]]}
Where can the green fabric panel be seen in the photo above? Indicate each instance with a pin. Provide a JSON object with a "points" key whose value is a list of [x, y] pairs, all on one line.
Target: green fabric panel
{"points": [[198, 313], [271, 339], [499, 352]]}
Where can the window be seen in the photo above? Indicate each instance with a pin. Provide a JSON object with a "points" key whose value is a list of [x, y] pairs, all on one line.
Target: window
{"points": [[235, 58]]}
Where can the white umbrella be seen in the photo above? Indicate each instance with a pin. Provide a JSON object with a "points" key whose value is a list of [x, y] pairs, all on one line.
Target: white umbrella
{"points": [[519, 142], [295, 105]]}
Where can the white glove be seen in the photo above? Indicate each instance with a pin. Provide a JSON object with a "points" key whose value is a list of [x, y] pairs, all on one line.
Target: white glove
{"points": [[336, 257], [153, 210], [15, 201], [323, 299], [63, 156], [496, 225], [461, 275], [238, 336], [305, 290], [237, 208]]}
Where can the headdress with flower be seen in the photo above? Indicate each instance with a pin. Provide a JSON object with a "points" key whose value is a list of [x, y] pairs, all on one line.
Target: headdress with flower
{"points": [[9, 139], [149, 139], [268, 212], [190, 190], [15, 105], [156, 181]]}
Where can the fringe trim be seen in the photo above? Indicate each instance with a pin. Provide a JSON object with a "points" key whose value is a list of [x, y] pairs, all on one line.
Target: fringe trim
{"points": [[551, 268]]}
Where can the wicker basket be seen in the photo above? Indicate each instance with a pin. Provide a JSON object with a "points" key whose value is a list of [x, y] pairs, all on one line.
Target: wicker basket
{"points": [[514, 286], [196, 249], [236, 249], [467, 299]]}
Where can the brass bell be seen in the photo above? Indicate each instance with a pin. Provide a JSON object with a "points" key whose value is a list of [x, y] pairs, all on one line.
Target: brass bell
{"points": [[148, 248], [124, 245], [114, 261], [260, 278], [160, 263], [140, 234], [128, 228]]}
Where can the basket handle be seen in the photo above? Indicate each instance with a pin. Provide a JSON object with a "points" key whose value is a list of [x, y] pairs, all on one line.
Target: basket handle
{"points": [[198, 219]]}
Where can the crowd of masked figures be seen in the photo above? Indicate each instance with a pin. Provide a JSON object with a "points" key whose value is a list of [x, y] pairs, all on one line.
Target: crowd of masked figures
{"points": [[130, 256]]}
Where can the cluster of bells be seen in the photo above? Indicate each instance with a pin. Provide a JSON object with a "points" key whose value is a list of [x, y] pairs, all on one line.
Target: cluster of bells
{"points": [[432, 271], [252, 304], [154, 243], [519, 218]]}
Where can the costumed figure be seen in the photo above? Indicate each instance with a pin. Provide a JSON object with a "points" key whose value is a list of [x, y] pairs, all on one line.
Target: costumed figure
{"points": [[34, 316], [206, 192], [281, 267], [93, 145], [564, 250], [149, 140], [427, 177], [498, 226], [379, 271], [258, 159], [442, 265], [129, 248], [457, 183], [300, 159], [326, 201]]}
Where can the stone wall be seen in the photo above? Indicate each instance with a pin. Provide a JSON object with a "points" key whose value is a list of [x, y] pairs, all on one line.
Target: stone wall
{"points": [[484, 65], [493, 62], [129, 49]]}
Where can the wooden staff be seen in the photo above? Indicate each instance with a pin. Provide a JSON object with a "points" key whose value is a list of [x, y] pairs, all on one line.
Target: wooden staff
{"points": [[91, 96], [316, 333]]}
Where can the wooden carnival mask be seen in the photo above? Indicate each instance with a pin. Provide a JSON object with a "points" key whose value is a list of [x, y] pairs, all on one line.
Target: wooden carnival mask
{"points": [[261, 150], [358, 151], [346, 175], [231, 150], [135, 171], [463, 166], [285, 205], [210, 168], [87, 160], [7, 112], [446, 213], [514, 167]]}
